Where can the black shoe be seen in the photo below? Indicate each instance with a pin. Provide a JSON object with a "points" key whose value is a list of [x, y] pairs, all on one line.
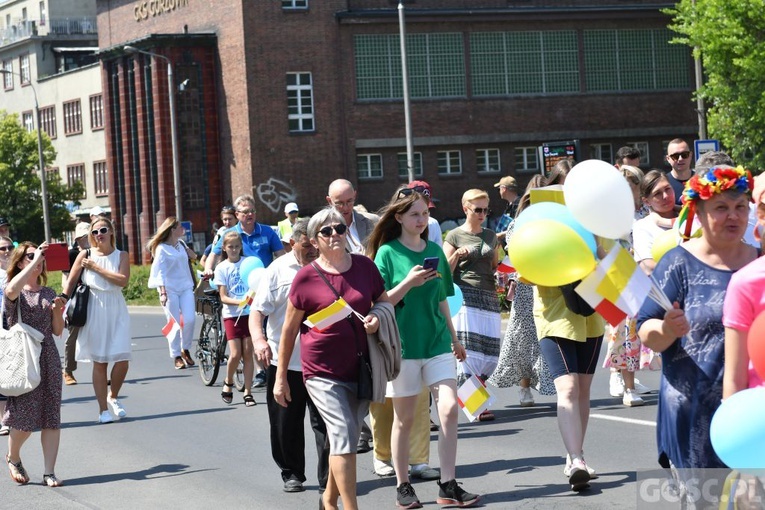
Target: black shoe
{"points": [[260, 380], [364, 445], [293, 485], [405, 496], [451, 494]]}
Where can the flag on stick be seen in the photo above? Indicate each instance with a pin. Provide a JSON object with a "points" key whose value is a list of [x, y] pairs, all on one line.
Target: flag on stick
{"points": [[474, 397], [171, 329], [332, 314], [506, 266]]}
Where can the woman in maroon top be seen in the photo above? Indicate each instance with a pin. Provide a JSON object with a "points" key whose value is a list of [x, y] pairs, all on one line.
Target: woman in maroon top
{"points": [[329, 356]]}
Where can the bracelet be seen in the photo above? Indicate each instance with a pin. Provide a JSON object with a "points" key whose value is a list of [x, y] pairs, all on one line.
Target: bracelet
{"points": [[65, 296]]}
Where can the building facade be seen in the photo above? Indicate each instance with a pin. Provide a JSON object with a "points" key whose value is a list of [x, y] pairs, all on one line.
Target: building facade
{"points": [[279, 97]]}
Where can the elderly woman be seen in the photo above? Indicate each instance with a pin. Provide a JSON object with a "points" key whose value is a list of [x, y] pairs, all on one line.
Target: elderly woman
{"points": [[329, 356], [694, 276], [472, 254], [105, 337]]}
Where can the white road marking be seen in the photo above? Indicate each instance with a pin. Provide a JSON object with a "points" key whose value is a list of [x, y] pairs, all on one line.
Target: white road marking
{"points": [[624, 420]]}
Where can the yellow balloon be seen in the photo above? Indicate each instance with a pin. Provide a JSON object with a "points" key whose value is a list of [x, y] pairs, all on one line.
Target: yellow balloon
{"points": [[664, 242], [549, 253]]}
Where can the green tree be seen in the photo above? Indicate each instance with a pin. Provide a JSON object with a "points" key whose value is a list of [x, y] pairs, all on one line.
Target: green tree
{"points": [[729, 36], [20, 190]]}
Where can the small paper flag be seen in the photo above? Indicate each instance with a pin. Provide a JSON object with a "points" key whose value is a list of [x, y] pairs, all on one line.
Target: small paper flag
{"points": [[474, 397]]}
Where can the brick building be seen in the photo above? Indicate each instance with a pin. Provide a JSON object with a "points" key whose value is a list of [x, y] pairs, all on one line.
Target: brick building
{"points": [[279, 97]]}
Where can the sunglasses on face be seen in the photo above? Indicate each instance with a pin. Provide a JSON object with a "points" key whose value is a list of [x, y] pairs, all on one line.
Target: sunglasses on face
{"points": [[678, 155], [480, 210], [6, 248], [405, 192], [339, 230], [30, 256], [102, 230], [246, 211]]}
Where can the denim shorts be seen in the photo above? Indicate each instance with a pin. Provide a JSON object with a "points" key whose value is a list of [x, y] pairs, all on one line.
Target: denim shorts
{"points": [[564, 356]]}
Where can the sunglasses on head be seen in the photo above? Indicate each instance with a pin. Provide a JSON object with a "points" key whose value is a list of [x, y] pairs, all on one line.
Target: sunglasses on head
{"points": [[480, 210], [327, 231], [6, 248], [102, 230], [228, 210], [405, 192], [678, 155]]}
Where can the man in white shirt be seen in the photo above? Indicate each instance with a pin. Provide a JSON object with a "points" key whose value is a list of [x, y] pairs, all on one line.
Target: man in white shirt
{"points": [[342, 197], [287, 435]]}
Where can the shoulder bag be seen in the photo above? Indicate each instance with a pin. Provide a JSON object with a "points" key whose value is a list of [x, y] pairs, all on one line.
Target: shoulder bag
{"points": [[364, 386], [77, 311], [20, 348]]}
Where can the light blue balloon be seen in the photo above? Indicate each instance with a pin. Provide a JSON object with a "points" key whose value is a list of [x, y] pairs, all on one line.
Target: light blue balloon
{"points": [[557, 212], [247, 265], [455, 301], [737, 432]]}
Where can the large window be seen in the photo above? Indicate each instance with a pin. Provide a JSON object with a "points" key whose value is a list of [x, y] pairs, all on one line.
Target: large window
{"points": [[449, 162], [644, 154], [487, 160], [47, 120], [634, 60], [294, 4], [96, 112], [27, 120], [436, 64], [24, 70], [76, 173], [506, 63], [369, 166], [72, 117], [100, 178], [526, 159], [403, 171], [8, 77], [300, 102], [601, 151]]}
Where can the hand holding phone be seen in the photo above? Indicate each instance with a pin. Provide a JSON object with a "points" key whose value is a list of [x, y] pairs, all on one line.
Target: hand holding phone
{"points": [[430, 263]]}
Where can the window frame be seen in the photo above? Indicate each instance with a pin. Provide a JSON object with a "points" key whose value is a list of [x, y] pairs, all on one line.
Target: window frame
{"points": [[445, 156], [488, 171], [51, 121], [100, 179], [22, 59], [98, 113], [368, 156], [72, 110], [70, 179], [292, 5], [28, 114], [8, 66], [596, 151], [644, 148], [294, 91], [416, 161], [525, 151]]}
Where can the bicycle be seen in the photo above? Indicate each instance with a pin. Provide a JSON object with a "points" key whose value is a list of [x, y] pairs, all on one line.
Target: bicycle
{"points": [[211, 346]]}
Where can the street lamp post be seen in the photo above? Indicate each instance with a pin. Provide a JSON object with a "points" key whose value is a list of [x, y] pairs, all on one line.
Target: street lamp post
{"points": [[40, 159], [173, 134]]}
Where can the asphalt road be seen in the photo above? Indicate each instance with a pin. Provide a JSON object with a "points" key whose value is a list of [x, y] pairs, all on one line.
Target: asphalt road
{"points": [[182, 447]]}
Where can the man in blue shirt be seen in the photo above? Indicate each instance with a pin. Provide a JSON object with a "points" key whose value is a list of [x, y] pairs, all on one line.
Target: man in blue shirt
{"points": [[257, 239]]}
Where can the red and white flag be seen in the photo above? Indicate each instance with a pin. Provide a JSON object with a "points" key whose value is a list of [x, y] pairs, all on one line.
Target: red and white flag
{"points": [[506, 266], [171, 329]]}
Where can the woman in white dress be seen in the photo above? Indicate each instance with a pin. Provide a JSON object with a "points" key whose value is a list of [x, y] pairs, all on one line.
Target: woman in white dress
{"points": [[105, 337]]}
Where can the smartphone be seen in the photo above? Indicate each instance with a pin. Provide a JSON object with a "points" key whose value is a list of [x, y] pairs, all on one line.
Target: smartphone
{"points": [[430, 263]]}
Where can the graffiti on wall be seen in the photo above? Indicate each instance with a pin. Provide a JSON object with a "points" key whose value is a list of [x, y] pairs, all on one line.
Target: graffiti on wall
{"points": [[275, 194]]}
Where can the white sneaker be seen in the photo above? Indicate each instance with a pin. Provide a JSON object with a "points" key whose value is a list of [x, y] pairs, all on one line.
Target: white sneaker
{"points": [[383, 467], [631, 398], [641, 388], [105, 417], [424, 472], [567, 470], [117, 408], [578, 477], [616, 384], [527, 400]]}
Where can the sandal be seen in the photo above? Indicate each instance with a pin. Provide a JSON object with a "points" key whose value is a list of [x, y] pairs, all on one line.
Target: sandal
{"points": [[249, 400], [227, 396], [52, 481], [18, 473], [486, 416]]}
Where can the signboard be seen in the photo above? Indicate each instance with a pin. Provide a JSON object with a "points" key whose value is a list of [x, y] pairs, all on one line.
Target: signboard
{"points": [[552, 152], [188, 236], [702, 146]]}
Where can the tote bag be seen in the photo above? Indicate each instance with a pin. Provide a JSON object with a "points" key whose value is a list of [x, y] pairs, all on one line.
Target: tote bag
{"points": [[20, 348]]}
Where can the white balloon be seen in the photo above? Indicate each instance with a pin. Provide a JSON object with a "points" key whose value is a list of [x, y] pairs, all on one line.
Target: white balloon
{"points": [[600, 198], [253, 279]]}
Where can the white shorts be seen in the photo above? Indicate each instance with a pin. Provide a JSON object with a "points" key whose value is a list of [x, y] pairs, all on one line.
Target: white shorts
{"points": [[416, 373]]}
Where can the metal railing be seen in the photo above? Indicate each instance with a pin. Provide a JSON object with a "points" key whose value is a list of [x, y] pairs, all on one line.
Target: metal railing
{"points": [[22, 29]]}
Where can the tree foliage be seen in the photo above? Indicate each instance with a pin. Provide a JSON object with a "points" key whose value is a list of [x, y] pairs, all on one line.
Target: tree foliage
{"points": [[729, 36], [20, 189]]}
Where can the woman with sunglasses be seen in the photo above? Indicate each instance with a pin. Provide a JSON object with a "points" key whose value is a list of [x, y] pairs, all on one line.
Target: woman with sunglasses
{"points": [[400, 247], [329, 355], [171, 275], [472, 254], [40, 408], [105, 337], [6, 248]]}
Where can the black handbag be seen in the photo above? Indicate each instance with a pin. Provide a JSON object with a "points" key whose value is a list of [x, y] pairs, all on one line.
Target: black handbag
{"points": [[364, 382], [77, 312], [574, 301]]}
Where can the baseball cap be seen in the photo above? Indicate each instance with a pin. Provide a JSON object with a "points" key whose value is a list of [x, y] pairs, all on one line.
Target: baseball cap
{"points": [[4, 222], [82, 229], [291, 207], [425, 185], [508, 182], [96, 211]]}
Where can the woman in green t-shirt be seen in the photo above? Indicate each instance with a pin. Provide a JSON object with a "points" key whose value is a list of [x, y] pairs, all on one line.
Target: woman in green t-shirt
{"points": [[399, 246]]}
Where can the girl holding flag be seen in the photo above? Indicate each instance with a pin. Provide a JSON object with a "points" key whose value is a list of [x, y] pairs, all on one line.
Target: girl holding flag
{"points": [[399, 245], [233, 294]]}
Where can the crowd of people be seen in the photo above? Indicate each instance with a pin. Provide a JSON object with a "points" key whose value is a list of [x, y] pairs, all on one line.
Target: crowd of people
{"points": [[344, 275]]}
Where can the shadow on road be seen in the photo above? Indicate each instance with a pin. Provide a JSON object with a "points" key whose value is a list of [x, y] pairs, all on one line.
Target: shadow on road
{"points": [[159, 471], [77, 424]]}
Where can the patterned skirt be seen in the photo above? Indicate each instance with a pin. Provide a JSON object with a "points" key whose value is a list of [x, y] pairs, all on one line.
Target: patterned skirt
{"points": [[478, 325], [625, 350]]}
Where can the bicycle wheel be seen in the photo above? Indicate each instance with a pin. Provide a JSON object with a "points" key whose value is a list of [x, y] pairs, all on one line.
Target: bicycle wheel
{"points": [[239, 376], [207, 351]]}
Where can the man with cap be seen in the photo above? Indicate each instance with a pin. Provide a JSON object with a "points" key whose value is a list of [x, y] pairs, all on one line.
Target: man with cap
{"points": [[284, 227], [5, 228], [434, 228], [508, 191], [96, 212], [80, 243]]}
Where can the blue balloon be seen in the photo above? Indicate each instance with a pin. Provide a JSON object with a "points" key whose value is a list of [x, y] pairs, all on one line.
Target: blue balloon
{"points": [[455, 301], [557, 212], [248, 264], [737, 432]]}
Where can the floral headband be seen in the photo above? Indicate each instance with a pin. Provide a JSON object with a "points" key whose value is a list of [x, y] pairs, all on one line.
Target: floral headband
{"points": [[705, 186]]}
